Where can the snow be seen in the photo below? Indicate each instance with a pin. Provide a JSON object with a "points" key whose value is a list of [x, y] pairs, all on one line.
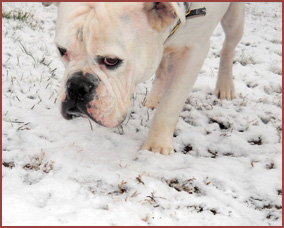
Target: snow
{"points": [[227, 169]]}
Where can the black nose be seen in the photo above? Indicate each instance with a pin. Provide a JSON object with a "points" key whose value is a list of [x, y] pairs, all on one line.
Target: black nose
{"points": [[81, 87]]}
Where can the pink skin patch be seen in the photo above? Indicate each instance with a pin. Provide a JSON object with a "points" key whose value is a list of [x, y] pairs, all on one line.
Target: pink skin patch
{"points": [[101, 118], [63, 97], [66, 56], [103, 109]]}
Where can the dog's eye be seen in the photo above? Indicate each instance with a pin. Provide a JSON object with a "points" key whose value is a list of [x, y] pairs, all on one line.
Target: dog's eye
{"points": [[111, 61], [62, 51]]}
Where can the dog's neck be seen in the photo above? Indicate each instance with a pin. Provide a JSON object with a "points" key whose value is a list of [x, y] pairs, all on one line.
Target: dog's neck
{"points": [[190, 13]]}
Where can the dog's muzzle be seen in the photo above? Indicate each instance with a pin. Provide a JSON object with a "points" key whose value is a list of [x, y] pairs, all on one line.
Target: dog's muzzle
{"points": [[80, 90]]}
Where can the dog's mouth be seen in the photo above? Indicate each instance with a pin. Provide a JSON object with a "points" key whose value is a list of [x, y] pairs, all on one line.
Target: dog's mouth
{"points": [[73, 111]]}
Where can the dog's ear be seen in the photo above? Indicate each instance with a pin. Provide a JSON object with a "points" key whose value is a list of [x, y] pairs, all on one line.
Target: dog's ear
{"points": [[50, 3], [162, 14]]}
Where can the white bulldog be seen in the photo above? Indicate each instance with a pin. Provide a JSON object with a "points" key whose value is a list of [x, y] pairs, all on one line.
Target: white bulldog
{"points": [[108, 48]]}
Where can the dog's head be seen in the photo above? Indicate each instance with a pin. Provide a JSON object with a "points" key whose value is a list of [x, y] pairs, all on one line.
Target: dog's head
{"points": [[107, 49]]}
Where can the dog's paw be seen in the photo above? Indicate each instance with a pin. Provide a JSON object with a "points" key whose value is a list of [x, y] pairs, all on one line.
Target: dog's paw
{"points": [[152, 101], [158, 147], [225, 92]]}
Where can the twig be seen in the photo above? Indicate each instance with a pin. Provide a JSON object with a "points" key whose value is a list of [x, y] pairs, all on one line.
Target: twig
{"points": [[145, 97], [26, 51], [90, 124], [139, 179]]}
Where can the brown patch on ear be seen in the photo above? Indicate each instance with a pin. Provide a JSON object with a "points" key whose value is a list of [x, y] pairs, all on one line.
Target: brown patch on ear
{"points": [[160, 14]]}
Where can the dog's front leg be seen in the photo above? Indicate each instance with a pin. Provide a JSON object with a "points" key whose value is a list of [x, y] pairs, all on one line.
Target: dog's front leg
{"points": [[159, 84], [183, 67]]}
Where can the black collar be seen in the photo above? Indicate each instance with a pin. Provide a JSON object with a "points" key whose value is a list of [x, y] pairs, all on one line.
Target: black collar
{"points": [[189, 14]]}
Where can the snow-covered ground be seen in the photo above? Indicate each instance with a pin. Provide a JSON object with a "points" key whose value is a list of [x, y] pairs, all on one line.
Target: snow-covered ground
{"points": [[227, 169]]}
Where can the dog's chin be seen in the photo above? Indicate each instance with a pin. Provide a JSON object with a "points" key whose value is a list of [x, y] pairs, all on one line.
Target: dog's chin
{"points": [[108, 121], [109, 125]]}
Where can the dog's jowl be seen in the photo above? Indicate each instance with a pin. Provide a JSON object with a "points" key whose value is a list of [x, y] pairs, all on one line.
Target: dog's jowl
{"points": [[108, 48]]}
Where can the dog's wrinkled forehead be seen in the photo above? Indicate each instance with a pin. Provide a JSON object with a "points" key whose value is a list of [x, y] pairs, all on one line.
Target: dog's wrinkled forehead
{"points": [[92, 23], [80, 15]]}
